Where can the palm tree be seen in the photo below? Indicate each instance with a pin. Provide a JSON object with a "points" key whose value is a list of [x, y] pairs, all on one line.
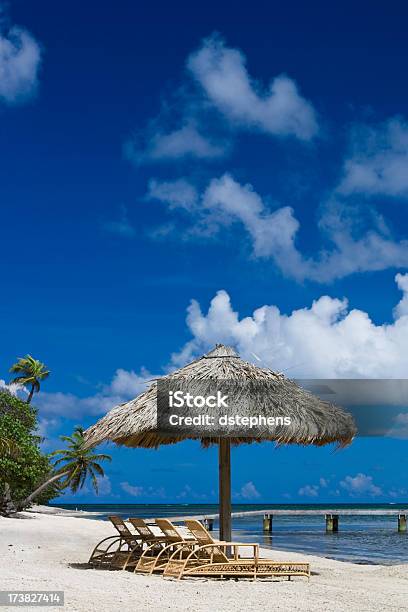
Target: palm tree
{"points": [[31, 372], [77, 464]]}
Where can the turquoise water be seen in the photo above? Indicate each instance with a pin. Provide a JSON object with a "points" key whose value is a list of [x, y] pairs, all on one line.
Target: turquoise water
{"points": [[361, 539]]}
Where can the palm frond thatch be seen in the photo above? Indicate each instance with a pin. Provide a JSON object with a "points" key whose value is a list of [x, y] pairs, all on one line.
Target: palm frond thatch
{"points": [[313, 421]]}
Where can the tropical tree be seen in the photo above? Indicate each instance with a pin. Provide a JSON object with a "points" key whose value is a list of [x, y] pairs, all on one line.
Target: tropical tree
{"points": [[76, 462], [22, 462], [31, 372]]}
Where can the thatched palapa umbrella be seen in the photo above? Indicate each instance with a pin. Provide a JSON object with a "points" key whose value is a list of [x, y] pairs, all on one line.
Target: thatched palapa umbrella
{"points": [[252, 391]]}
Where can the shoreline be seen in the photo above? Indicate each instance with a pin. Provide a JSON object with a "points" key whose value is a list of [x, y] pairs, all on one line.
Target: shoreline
{"points": [[239, 534], [58, 511], [49, 551]]}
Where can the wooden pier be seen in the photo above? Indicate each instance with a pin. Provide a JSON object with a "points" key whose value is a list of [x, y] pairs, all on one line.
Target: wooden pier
{"points": [[332, 516]]}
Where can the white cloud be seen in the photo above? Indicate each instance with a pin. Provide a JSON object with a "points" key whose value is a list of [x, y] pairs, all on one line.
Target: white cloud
{"points": [[379, 161], [188, 493], [399, 427], [186, 141], [249, 491], [12, 388], [217, 98], [309, 491], [278, 109], [104, 485], [19, 64], [401, 308], [360, 485], [350, 344], [177, 194], [140, 491], [124, 386], [128, 383], [133, 490], [399, 493], [313, 490], [273, 233], [45, 426]]}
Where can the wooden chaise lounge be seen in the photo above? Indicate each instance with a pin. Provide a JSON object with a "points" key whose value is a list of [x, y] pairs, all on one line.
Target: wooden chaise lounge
{"points": [[154, 559], [207, 557], [145, 532], [114, 551]]}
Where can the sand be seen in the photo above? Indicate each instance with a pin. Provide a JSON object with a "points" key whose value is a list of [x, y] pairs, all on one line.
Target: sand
{"points": [[45, 550]]}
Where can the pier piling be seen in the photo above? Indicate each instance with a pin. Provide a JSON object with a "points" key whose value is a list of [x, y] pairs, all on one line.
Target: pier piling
{"points": [[209, 524], [402, 523], [267, 522], [332, 523]]}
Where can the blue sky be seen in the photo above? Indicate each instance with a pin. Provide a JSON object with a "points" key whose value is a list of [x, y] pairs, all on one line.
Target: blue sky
{"points": [[175, 176]]}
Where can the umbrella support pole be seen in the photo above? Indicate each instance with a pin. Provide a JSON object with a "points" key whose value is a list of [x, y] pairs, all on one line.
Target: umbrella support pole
{"points": [[224, 457]]}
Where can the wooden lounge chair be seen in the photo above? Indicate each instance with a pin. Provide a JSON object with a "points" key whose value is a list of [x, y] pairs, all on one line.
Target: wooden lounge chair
{"points": [[115, 551], [212, 558], [155, 559], [145, 532]]}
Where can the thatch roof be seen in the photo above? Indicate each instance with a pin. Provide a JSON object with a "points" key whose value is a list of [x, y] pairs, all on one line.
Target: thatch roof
{"points": [[313, 421]]}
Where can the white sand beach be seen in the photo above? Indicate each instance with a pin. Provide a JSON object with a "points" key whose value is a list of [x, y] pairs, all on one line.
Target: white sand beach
{"points": [[46, 550]]}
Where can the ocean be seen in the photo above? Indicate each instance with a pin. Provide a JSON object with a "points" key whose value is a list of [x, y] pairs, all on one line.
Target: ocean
{"points": [[360, 539]]}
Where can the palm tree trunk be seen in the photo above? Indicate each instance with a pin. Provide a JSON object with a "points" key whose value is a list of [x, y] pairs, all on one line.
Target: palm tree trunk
{"points": [[26, 502], [30, 395]]}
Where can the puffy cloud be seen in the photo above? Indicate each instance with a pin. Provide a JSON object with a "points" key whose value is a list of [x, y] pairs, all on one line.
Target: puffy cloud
{"points": [[133, 490], [186, 141], [378, 164], [273, 233], [313, 490], [217, 98], [360, 485], [128, 383], [177, 194], [350, 344], [124, 386], [183, 142], [104, 485], [278, 109], [361, 243], [19, 64], [309, 491], [399, 427], [140, 491], [12, 388], [401, 308], [45, 426], [188, 493], [249, 491]]}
